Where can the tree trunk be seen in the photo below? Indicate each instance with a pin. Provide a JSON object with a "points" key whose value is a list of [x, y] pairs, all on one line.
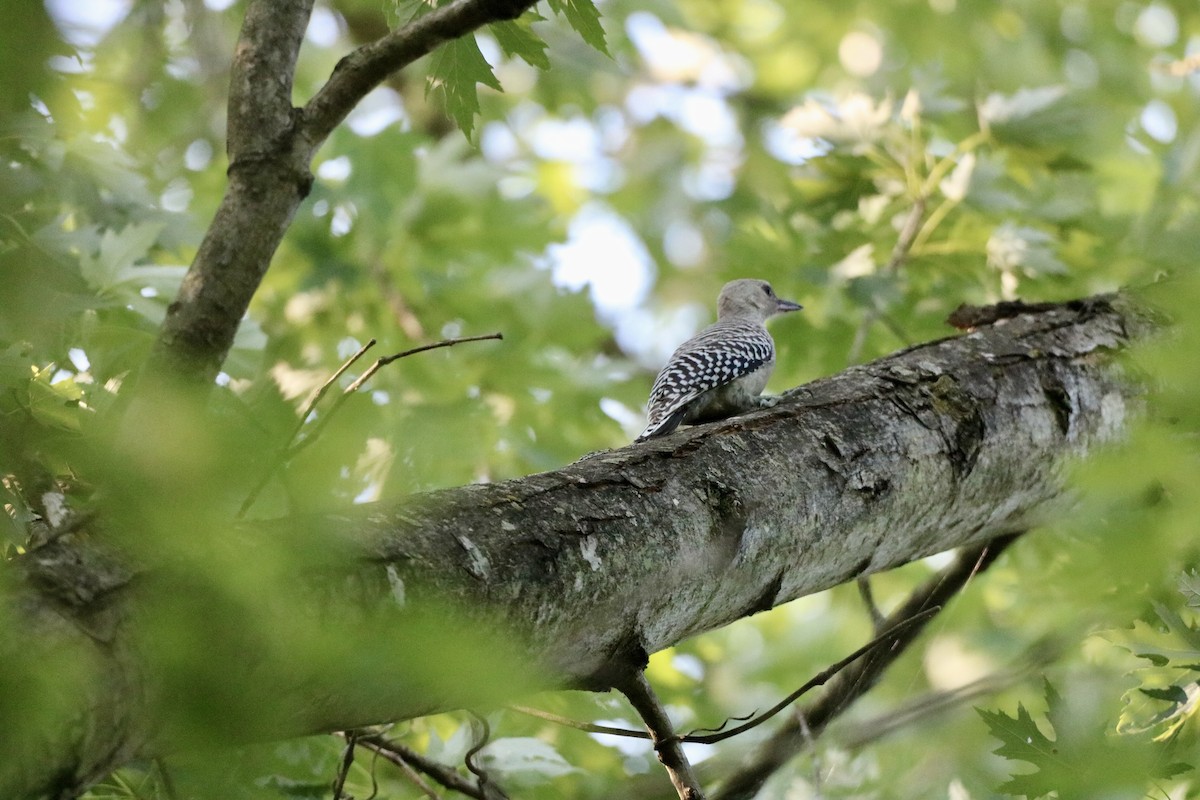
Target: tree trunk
{"points": [[584, 571]]}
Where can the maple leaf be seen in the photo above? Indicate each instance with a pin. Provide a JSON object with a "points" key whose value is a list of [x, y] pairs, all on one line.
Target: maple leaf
{"points": [[585, 19], [1091, 761], [517, 39], [457, 67]]}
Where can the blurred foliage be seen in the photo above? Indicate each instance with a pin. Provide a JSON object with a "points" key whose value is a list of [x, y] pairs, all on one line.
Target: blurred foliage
{"points": [[633, 163]]}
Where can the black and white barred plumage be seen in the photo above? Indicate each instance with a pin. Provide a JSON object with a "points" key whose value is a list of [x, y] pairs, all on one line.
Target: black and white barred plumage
{"points": [[721, 371]]}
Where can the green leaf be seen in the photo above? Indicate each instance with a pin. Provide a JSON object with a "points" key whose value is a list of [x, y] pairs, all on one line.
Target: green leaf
{"points": [[1189, 587], [1020, 736], [1172, 694], [1177, 626], [457, 67], [585, 19], [1080, 761], [526, 757], [1034, 117], [1022, 740], [55, 405], [517, 39], [401, 12], [1000, 109], [118, 251]]}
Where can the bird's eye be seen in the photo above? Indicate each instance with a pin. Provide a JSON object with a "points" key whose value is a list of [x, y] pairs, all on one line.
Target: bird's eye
{"points": [[767, 289]]}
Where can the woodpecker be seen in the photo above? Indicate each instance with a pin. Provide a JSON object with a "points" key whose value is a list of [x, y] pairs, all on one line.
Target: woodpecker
{"points": [[721, 371]]}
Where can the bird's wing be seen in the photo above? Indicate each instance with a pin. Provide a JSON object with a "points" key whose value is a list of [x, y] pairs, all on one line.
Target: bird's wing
{"points": [[717, 355]]}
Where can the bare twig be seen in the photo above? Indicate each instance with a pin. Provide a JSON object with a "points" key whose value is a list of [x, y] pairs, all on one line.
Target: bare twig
{"points": [[483, 735], [339, 782], [383, 362], [408, 771], [868, 598], [666, 744], [409, 759], [413, 776], [293, 447], [325, 387], [567, 722], [370, 373], [934, 703], [810, 722], [714, 735], [894, 631], [283, 455]]}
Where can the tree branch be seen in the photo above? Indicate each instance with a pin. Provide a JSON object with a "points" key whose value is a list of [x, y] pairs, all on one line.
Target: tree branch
{"points": [[270, 147], [933, 703], [260, 84], [890, 633], [268, 177], [365, 68], [714, 735], [408, 759], [584, 571], [809, 723], [662, 734]]}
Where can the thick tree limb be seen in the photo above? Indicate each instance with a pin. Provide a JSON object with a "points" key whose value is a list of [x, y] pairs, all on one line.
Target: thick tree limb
{"points": [[586, 570], [940, 446]]}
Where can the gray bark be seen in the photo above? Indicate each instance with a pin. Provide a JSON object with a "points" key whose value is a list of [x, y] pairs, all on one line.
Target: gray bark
{"points": [[579, 573]]}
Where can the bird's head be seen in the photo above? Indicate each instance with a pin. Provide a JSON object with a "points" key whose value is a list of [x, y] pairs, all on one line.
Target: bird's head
{"points": [[751, 299]]}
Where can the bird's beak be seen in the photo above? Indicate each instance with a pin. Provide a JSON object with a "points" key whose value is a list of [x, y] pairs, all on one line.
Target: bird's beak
{"points": [[786, 305]]}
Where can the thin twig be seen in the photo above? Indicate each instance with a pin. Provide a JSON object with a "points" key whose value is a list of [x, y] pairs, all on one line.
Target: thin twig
{"points": [[486, 787], [292, 447], [316, 398], [404, 757], [339, 782], [714, 735], [408, 771], [413, 776], [383, 362], [893, 631], [666, 744], [934, 703], [853, 683], [868, 598], [368, 374], [283, 455], [567, 722]]}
